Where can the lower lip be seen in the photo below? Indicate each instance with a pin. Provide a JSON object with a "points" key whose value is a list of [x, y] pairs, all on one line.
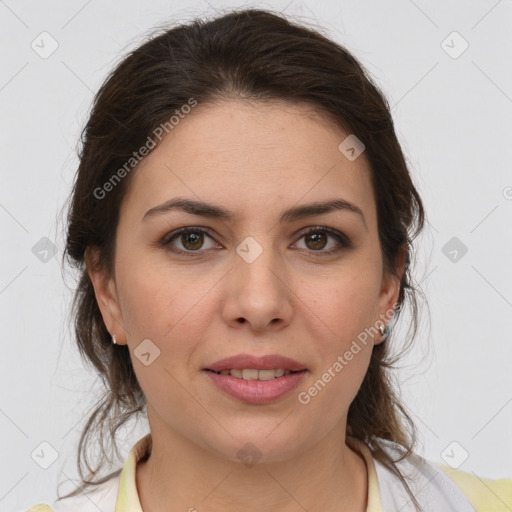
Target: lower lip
{"points": [[257, 391]]}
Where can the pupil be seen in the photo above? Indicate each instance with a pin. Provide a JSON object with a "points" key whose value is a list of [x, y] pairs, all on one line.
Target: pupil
{"points": [[317, 239], [194, 240]]}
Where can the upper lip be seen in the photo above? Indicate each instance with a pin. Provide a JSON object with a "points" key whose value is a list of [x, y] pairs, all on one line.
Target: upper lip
{"points": [[266, 362]]}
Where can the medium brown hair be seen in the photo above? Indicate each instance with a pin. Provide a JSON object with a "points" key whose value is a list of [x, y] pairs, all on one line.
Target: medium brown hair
{"points": [[255, 55]]}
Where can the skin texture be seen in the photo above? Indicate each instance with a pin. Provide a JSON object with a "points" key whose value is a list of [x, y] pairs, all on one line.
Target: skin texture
{"points": [[256, 159]]}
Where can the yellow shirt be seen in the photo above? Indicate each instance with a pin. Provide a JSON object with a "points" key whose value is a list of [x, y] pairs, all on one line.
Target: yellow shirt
{"points": [[447, 490]]}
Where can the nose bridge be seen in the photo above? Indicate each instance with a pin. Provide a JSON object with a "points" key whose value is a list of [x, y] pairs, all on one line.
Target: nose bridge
{"points": [[257, 292], [258, 262]]}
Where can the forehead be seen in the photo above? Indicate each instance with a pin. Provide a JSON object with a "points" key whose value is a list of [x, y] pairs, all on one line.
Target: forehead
{"points": [[251, 156]]}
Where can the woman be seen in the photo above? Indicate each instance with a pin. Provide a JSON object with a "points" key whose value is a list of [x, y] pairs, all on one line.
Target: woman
{"points": [[243, 220]]}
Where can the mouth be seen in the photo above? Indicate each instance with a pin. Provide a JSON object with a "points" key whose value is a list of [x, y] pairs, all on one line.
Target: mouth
{"points": [[256, 374], [256, 391], [256, 379], [249, 366]]}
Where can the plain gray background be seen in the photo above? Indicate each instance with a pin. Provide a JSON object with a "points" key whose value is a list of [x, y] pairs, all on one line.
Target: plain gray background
{"points": [[453, 112]]}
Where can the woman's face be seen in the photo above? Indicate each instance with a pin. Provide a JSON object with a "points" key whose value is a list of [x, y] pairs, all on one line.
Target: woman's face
{"points": [[256, 284]]}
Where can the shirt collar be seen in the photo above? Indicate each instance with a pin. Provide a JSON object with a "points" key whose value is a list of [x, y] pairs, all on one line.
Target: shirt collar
{"points": [[128, 497], [374, 503]]}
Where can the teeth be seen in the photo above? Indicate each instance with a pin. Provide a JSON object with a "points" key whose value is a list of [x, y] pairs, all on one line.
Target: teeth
{"points": [[254, 374], [250, 374]]}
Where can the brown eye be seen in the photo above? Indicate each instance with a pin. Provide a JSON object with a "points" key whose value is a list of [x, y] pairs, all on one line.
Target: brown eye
{"points": [[192, 240], [318, 240]]}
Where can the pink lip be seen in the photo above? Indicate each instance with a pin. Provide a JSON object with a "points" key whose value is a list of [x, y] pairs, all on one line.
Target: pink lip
{"points": [[256, 391], [267, 362]]}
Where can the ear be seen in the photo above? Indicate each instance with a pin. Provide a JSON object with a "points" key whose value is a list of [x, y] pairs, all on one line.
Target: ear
{"points": [[390, 289], [106, 296]]}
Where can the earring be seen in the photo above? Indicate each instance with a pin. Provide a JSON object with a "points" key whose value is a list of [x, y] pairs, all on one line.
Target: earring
{"points": [[114, 339], [384, 331]]}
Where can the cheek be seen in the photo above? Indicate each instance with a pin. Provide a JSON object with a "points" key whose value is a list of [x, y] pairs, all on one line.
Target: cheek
{"points": [[331, 391], [345, 305], [344, 310], [172, 315], [155, 300], [343, 346], [172, 310]]}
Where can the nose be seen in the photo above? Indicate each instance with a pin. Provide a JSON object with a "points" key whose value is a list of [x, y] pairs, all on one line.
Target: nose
{"points": [[258, 293]]}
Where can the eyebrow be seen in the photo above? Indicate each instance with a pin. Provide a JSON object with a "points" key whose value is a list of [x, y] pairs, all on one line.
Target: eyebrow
{"points": [[219, 212]]}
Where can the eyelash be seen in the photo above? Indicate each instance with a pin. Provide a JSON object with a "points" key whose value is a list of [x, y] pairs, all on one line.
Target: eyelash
{"points": [[343, 241]]}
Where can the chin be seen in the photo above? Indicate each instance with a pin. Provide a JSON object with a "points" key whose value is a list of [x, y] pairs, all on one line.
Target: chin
{"points": [[257, 445]]}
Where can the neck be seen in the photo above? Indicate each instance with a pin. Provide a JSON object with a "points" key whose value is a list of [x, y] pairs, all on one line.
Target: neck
{"points": [[180, 475]]}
